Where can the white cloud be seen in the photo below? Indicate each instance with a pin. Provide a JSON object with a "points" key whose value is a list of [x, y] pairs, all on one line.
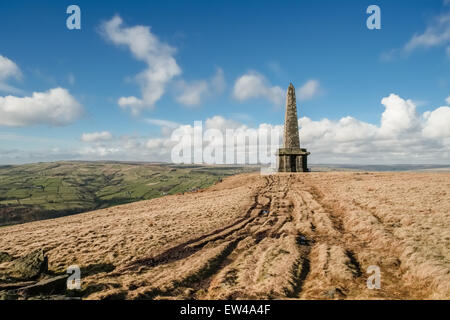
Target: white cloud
{"points": [[155, 143], [389, 55], [448, 100], [8, 70], [99, 151], [399, 115], [195, 92], [309, 90], [96, 136], [254, 85], [165, 125], [162, 123], [221, 123], [161, 68], [146, 47], [437, 123], [436, 34], [347, 129], [403, 136], [4, 87], [56, 107], [192, 93], [134, 103]]}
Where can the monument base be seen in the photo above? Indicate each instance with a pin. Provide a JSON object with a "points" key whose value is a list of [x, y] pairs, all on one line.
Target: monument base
{"points": [[292, 160]]}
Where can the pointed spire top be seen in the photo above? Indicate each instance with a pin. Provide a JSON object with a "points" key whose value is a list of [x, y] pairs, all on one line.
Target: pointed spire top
{"points": [[291, 93], [291, 90]]}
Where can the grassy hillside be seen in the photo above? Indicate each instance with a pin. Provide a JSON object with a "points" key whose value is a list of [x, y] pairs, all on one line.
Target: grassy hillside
{"points": [[48, 190]]}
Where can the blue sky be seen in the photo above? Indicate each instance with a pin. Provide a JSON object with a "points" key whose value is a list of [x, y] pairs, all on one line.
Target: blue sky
{"points": [[323, 46]]}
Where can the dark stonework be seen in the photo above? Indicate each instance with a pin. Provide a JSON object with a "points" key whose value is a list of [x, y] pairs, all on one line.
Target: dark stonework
{"points": [[291, 139], [291, 158]]}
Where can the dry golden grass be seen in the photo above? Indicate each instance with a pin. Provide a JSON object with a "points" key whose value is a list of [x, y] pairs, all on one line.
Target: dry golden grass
{"points": [[398, 221], [307, 236]]}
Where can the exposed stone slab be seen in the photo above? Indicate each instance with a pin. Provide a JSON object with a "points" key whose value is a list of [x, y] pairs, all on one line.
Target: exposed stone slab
{"points": [[45, 287], [28, 267], [15, 285]]}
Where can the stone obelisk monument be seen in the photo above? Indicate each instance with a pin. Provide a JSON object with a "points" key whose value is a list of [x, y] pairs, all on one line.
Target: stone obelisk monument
{"points": [[291, 158]]}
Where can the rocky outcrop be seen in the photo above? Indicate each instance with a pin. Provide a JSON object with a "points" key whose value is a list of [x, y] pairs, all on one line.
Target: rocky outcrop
{"points": [[27, 277], [28, 267], [5, 257]]}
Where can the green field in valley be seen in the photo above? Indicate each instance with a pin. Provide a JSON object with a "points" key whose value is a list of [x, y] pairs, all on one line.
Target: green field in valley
{"points": [[48, 190]]}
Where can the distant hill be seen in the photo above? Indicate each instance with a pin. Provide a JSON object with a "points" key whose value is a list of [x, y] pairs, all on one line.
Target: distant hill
{"points": [[378, 167], [49, 190]]}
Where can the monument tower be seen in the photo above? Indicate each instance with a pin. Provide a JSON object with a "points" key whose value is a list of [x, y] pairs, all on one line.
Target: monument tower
{"points": [[291, 158]]}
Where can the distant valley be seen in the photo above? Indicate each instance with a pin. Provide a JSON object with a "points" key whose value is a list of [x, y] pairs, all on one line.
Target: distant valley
{"points": [[48, 190]]}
